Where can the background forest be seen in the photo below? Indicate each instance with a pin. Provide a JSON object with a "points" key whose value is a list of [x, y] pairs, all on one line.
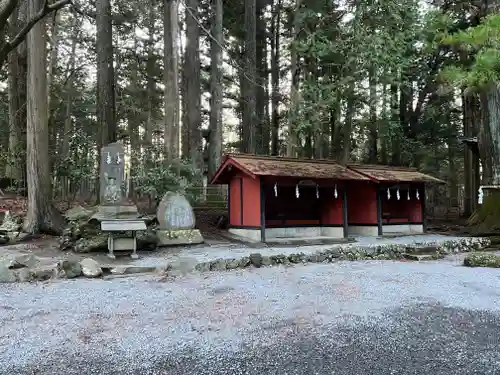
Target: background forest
{"points": [[183, 81]]}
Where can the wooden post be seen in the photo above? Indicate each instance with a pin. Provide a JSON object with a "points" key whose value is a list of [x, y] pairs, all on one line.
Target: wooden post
{"points": [[241, 201], [379, 211], [229, 203], [262, 212], [422, 197], [344, 204]]}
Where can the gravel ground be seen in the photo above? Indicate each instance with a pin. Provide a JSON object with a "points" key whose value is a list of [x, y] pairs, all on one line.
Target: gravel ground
{"points": [[346, 318]]}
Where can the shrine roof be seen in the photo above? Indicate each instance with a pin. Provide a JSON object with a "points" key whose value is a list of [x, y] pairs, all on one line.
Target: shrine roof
{"points": [[384, 173], [257, 165]]}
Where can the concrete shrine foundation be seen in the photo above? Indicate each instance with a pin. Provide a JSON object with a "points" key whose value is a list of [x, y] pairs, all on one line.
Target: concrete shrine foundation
{"points": [[289, 232]]}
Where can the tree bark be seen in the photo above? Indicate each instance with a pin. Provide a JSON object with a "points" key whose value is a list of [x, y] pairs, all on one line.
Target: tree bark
{"points": [[335, 129], [216, 90], [262, 126], [41, 216], [395, 121], [7, 7], [373, 128], [346, 151], [17, 61], [150, 72], [68, 122], [493, 100], [471, 114], [193, 84], [54, 53], [106, 119], [291, 146], [249, 76], [171, 79], [275, 78]]}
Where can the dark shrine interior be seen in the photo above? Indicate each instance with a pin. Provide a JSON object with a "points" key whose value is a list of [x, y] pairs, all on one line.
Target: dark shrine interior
{"points": [[285, 205], [398, 210]]}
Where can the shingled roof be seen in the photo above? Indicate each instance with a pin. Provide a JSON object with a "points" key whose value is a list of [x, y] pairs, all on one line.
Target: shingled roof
{"points": [[383, 173], [256, 165]]}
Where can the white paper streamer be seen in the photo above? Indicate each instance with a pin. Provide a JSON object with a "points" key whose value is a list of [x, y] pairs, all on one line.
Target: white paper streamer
{"points": [[335, 194], [275, 189], [317, 192], [397, 195], [297, 194], [480, 196], [418, 195], [388, 194], [408, 194]]}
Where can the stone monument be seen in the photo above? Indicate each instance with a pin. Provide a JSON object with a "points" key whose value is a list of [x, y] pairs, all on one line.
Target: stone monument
{"points": [[113, 204], [176, 221], [117, 217]]}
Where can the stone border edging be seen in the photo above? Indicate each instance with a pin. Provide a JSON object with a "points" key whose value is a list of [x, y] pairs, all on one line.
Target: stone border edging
{"points": [[346, 252]]}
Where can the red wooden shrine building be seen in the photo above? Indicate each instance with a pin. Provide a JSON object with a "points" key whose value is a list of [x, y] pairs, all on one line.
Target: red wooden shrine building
{"points": [[276, 197]]}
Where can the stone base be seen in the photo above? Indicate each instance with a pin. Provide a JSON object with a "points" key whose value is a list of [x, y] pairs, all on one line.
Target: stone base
{"points": [[179, 237], [107, 212], [363, 230], [403, 228], [122, 244]]}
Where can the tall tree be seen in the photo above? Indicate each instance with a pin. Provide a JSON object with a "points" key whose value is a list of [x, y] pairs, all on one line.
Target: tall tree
{"points": [[106, 119], [7, 7], [171, 78], [41, 216], [291, 146], [216, 89], [17, 100], [193, 84], [249, 77], [150, 73], [275, 76]]}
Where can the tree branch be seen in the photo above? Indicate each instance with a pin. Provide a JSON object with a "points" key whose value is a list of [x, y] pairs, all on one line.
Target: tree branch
{"points": [[21, 35], [6, 10]]}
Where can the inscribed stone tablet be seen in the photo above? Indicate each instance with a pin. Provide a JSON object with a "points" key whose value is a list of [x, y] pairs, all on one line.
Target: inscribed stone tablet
{"points": [[174, 212], [112, 174]]}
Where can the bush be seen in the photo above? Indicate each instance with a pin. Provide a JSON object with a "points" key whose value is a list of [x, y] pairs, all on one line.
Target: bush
{"points": [[153, 178], [482, 260]]}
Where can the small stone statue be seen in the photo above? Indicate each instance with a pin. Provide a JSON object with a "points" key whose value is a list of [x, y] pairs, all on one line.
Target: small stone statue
{"points": [[112, 193]]}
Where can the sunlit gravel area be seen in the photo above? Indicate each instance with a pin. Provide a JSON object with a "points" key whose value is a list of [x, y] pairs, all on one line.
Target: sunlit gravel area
{"points": [[370, 317]]}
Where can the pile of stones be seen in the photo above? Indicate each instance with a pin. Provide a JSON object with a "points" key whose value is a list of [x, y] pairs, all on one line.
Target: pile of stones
{"points": [[83, 235]]}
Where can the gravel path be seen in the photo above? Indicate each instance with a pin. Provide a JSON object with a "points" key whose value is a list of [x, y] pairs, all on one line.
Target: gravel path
{"points": [[346, 318]]}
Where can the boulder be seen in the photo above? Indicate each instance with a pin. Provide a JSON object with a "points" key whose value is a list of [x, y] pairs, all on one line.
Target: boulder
{"points": [[90, 268], [179, 237], [10, 223], [6, 275], [20, 261], [147, 240], [87, 245], [69, 269], [256, 259], [129, 270], [482, 260], [43, 273], [78, 213]]}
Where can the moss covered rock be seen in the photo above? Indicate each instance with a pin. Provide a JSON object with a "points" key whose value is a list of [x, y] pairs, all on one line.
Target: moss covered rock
{"points": [[482, 260], [486, 219]]}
